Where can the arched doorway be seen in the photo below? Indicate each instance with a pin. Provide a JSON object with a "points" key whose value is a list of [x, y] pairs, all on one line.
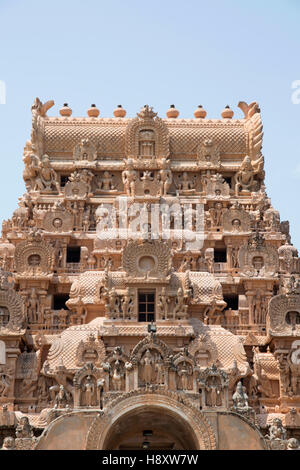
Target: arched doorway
{"points": [[150, 428], [151, 420]]}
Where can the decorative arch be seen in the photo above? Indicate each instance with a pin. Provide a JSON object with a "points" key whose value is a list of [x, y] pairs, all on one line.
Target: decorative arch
{"points": [[14, 303], [134, 254], [150, 342], [147, 121], [161, 401], [34, 257], [202, 345]]}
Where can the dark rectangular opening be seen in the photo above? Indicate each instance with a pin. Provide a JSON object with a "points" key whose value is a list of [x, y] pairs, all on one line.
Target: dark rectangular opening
{"points": [[220, 255], [59, 301], [73, 254], [146, 306], [228, 180], [63, 180], [232, 301]]}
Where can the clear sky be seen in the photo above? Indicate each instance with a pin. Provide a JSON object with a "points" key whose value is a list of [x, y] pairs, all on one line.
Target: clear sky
{"points": [[186, 52]]}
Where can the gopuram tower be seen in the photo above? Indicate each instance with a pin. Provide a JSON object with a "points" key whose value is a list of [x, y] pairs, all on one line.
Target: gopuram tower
{"points": [[149, 293]]}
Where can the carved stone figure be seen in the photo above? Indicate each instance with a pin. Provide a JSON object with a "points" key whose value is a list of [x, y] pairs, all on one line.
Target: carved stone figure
{"points": [[165, 177], [129, 177], [8, 443], [240, 397], [24, 429]]}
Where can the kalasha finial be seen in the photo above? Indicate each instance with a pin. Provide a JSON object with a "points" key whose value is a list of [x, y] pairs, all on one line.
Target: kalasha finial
{"points": [[172, 112], [200, 113], [93, 111], [147, 112], [119, 112], [65, 111], [227, 113]]}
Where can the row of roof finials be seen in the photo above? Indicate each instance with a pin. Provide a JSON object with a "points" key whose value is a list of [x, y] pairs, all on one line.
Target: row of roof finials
{"points": [[172, 112]]}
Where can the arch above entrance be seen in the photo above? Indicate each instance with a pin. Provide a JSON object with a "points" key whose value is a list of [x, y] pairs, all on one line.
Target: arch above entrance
{"points": [[174, 419]]}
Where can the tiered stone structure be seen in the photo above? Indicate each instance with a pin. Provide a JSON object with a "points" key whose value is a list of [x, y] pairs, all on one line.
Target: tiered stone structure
{"points": [[118, 330]]}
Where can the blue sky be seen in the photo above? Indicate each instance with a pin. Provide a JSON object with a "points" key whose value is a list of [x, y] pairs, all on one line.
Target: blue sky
{"points": [[189, 52]]}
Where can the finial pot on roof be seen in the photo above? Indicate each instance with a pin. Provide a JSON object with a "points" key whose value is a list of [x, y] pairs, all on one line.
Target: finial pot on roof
{"points": [[93, 111], [200, 113], [227, 113], [119, 112], [65, 111], [172, 112]]}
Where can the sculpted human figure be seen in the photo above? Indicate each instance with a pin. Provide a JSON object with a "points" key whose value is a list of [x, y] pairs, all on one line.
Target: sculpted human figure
{"points": [[216, 214], [186, 184], [214, 391], [127, 305], [293, 444], [113, 303], [160, 375], [8, 443], [129, 177], [47, 178], [277, 430], [62, 398], [244, 178], [147, 362], [184, 374], [117, 376], [33, 306], [240, 398], [106, 183], [89, 388], [24, 429], [163, 304], [180, 309], [6, 376], [165, 178]]}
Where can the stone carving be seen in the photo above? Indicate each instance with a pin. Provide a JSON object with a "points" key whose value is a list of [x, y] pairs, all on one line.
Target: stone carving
{"points": [[6, 377], [245, 177], [88, 386], [277, 435], [165, 177], [8, 444], [129, 177], [58, 220], [24, 429], [34, 256], [215, 333], [284, 310], [257, 259], [216, 187], [90, 351], [62, 398], [213, 383], [12, 315], [147, 136], [149, 259], [208, 154], [216, 214], [85, 151], [236, 220], [79, 184]]}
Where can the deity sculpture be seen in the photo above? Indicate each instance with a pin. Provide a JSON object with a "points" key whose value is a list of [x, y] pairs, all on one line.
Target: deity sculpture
{"points": [[46, 178], [8, 443], [240, 397], [180, 310], [147, 363], [24, 429], [129, 178], [88, 387], [165, 178]]}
